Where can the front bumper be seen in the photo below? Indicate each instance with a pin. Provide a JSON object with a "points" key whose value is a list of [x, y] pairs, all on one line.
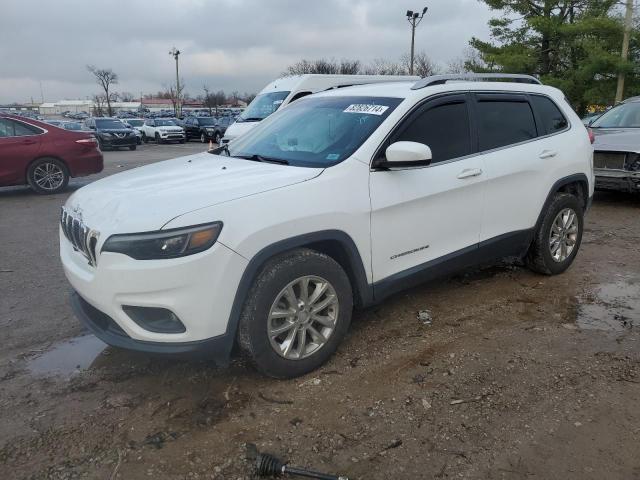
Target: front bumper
{"points": [[199, 289], [620, 180], [172, 136], [118, 142], [107, 330]]}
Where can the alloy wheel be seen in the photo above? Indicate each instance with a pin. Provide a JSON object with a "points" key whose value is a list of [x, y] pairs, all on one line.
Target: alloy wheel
{"points": [[303, 317], [564, 234], [48, 176]]}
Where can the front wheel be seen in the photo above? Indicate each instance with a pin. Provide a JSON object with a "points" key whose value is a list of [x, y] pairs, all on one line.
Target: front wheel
{"points": [[558, 237], [218, 138], [158, 139], [144, 137], [296, 314], [203, 139], [48, 175]]}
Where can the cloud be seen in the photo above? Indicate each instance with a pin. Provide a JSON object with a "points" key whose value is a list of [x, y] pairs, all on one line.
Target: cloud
{"points": [[229, 44]]}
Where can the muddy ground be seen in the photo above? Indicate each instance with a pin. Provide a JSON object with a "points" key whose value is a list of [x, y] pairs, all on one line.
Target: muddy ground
{"points": [[518, 376]]}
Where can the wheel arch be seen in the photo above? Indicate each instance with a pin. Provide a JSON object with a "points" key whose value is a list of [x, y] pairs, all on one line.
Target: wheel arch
{"points": [[576, 184], [334, 243]]}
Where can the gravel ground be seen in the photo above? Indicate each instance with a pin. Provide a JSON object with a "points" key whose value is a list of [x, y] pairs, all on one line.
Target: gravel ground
{"points": [[517, 376]]}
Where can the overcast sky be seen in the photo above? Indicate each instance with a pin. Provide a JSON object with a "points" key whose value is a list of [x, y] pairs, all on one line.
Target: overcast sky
{"points": [[226, 44]]}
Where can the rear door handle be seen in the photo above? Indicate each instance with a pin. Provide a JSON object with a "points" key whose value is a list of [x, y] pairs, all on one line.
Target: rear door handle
{"points": [[469, 172], [548, 154]]}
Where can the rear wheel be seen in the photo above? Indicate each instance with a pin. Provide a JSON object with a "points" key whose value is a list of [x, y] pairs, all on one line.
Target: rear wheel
{"points": [[557, 240], [297, 313], [48, 175]]}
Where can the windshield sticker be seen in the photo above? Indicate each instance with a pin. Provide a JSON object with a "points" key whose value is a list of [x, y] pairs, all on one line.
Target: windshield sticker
{"points": [[333, 156], [366, 108]]}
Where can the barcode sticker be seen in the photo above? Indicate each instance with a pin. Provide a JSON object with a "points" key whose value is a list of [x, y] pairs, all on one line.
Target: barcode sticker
{"points": [[366, 108]]}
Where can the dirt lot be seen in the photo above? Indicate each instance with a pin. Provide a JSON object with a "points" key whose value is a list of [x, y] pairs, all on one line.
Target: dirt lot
{"points": [[518, 376]]}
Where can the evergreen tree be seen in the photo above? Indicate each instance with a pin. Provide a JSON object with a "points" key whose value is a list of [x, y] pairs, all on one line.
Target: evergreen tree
{"points": [[572, 44]]}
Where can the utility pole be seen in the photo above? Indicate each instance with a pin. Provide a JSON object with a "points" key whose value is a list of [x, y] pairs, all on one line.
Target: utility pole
{"points": [[414, 19], [176, 54], [628, 23]]}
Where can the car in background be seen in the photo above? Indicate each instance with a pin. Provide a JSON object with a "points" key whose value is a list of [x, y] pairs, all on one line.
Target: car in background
{"points": [[161, 130], [56, 123], [616, 158], [203, 128], [590, 118], [286, 90], [112, 133], [136, 124], [44, 156], [76, 126]]}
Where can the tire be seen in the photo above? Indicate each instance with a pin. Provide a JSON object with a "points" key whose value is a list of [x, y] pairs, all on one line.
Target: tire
{"points": [[550, 252], [181, 141], [132, 147], [138, 141], [268, 293], [203, 139], [48, 175], [144, 138], [218, 138], [158, 139]]}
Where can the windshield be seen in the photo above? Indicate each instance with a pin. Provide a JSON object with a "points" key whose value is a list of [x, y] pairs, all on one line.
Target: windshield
{"points": [[135, 123], [206, 121], [165, 123], [262, 106], [116, 124], [626, 115], [315, 132]]}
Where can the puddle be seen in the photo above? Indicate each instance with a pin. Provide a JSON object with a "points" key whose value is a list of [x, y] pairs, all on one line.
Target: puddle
{"points": [[68, 358], [612, 306]]}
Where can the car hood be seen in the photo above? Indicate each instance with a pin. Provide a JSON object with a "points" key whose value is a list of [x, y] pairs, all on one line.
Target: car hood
{"points": [[617, 139], [146, 198]]}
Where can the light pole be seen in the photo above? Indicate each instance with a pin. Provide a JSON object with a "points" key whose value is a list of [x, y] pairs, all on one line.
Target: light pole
{"points": [[176, 53], [414, 19]]}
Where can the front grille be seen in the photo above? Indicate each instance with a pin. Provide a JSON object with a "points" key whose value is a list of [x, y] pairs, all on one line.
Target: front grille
{"points": [[614, 160], [81, 237]]}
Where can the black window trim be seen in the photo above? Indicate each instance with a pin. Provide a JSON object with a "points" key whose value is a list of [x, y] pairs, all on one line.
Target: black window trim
{"points": [[417, 109]]}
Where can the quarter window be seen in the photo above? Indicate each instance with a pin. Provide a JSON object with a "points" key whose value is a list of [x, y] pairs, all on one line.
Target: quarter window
{"points": [[11, 128], [502, 123], [444, 128], [549, 114]]}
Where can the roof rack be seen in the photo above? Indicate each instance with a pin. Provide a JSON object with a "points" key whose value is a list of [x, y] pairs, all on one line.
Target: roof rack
{"points": [[474, 77]]}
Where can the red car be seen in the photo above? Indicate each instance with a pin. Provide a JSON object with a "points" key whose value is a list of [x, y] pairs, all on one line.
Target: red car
{"points": [[44, 156]]}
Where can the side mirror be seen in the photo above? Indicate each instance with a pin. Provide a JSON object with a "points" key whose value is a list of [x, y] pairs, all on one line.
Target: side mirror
{"points": [[405, 155], [92, 127]]}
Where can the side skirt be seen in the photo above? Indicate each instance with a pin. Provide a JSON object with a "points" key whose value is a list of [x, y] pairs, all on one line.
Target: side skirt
{"points": [[513, 244]]}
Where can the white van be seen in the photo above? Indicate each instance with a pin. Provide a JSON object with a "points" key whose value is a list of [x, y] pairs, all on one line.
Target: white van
{"points": [[285, 90]]}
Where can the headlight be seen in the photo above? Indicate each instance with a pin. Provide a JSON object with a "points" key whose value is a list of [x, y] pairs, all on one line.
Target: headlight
{"points": [[173, 243]]}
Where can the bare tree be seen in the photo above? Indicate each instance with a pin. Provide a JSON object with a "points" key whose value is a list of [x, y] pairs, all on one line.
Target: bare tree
{"points": [[382, 66], [422, 64], [106, 78], [126, 97], [98, 105], [324, 66], [175, 94]]}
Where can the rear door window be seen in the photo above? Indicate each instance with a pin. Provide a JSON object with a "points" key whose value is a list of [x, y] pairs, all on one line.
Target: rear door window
{"points": [[504, 121], [549, 114]]}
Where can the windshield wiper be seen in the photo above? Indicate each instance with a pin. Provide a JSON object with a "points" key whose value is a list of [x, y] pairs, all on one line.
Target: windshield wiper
{"points": [[251, 119], [260, 158]]}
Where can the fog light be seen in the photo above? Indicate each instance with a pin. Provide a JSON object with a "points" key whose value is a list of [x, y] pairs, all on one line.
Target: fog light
{"points": [[154, 319]]}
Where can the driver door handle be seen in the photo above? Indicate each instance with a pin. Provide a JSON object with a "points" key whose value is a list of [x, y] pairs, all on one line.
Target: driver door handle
{"points": [[469, 172], [548, 154]]}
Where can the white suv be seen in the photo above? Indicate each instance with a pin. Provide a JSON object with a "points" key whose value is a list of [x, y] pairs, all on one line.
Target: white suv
{"points": [[339, 200]]}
